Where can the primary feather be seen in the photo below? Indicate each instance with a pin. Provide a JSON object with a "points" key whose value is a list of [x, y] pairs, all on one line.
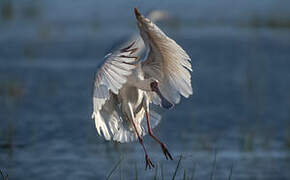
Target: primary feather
{"points": [[166, 61]]}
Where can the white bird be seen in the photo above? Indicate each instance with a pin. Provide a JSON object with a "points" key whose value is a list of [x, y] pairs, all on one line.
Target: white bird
{"points": [[125, 87]]}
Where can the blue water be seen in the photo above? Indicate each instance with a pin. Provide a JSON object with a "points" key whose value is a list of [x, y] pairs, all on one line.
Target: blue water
{"points": [[49, 51]]}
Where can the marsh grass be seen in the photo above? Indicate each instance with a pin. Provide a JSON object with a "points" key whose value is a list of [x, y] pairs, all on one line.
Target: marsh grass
{"points": [[184, 174], [287, 138], [44, 31], [4, 176], [231, 172], [248, 142], [136, 171], [179, 172], [193, 172], [177, 167], [156, 172], [162, 171], [31, 12], [213, 166], [270, 22], [10, 139], [29, 52], [114, 168], [7, 10], [121, 171], [11, 91]]}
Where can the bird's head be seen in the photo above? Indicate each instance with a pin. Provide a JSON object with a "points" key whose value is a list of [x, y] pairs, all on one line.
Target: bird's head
{"points": [[154, 85]]}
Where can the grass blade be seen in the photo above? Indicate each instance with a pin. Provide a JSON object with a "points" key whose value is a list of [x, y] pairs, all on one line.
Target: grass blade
{"points": [[115, 167], [161, 169], [213, 166], [231, 171], [178, 164], [2, 174], [5, 177], [156, 172], [136, 171], [184, 175], [193, 172]]}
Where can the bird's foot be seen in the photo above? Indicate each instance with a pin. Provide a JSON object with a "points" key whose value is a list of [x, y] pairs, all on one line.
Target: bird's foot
{"points": [[166, 152], [148, 162]]}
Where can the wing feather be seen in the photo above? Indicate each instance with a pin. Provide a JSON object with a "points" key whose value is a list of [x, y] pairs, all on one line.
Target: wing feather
{"points": [[109, 79], [112, 75], [166, 61]]}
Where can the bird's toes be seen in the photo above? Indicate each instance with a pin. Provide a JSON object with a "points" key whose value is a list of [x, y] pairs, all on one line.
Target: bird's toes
{"points": [[148, 162], [166, 152]]}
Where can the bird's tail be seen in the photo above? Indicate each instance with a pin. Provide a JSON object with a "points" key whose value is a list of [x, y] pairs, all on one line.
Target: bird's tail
{"points": [[117, 129]]}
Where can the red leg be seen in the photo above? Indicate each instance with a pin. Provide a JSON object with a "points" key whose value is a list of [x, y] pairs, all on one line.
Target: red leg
{"points": [[147, 159], [164, 148]]}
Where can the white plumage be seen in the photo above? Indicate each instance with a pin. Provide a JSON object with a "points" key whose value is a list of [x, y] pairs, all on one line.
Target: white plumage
{"points": [[125, 86]]}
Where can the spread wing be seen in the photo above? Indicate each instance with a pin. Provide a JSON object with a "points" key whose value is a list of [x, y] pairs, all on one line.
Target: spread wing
{"points": [[109, 79], [166, 61]]}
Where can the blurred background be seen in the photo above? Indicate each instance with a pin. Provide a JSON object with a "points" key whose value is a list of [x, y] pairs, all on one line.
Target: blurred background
{"points": [[237, 119]]}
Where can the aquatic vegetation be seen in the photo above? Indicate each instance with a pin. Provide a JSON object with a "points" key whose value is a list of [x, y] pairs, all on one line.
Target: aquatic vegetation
{"points": [[7, 10], [44, 32], [179, 172], [4, 176], [177, 167], [156, 172], [270, 22], [231, 172], [10, 92], [31, 11], [11, 89], [29, 52], [248, 142], [213, 166], [9, 136], [287, 138], [114, 168]]}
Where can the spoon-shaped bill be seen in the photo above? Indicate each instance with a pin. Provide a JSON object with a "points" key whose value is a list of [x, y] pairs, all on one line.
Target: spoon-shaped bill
{"points": [[164, 102]]}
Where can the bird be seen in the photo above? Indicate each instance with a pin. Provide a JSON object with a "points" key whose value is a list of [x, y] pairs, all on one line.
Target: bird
{"points": [[126, 87]]}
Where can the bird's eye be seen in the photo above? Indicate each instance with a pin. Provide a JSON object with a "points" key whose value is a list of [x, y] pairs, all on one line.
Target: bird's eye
{"points": [[154, 85]]}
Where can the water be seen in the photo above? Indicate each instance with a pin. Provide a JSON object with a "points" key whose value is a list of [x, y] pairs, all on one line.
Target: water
{"points": [[49, 51]]}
